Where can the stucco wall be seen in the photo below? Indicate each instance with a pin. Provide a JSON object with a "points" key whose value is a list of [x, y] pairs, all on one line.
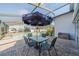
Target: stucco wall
{"points": [[64, 24]]}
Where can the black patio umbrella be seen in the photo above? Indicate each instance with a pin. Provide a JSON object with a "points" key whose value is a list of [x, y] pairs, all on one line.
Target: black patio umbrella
{"points": [[36, 19]]}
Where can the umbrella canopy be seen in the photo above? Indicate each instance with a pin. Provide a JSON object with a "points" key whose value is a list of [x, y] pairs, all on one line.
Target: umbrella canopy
{"points": [[36, 19]]}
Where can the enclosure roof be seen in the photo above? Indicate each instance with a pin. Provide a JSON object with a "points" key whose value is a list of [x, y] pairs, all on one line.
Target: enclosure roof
{"points": [[14, 11]]}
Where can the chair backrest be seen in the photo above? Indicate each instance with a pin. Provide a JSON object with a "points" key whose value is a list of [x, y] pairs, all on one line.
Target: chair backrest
{"points": [[53, 41], [29, 34], [43, 35], [25, 39]]}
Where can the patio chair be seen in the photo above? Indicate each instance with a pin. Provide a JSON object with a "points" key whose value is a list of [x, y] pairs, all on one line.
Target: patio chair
{"points": [[48, 47], [29, 35], [29, 42], [26, 40]]}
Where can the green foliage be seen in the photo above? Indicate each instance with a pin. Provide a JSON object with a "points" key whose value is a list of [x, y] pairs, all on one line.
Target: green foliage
{"points": [[27, 30], [50, 30]]}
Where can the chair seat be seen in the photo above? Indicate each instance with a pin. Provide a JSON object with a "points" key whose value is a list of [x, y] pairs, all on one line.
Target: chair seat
{"points": [[45, 46]]}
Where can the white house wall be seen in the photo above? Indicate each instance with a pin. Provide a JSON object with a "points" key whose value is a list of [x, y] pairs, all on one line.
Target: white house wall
{"points": [[64, 24]]}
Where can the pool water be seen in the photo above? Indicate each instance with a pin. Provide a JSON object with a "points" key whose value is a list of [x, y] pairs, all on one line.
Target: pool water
{"points": [[19, 36]]}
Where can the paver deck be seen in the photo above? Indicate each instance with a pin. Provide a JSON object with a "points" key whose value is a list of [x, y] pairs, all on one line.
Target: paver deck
{"points": [[19, 48]]}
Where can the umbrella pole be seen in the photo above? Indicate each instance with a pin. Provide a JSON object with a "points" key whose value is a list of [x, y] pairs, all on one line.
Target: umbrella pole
{"points": [[38, 30], [37, 33]]}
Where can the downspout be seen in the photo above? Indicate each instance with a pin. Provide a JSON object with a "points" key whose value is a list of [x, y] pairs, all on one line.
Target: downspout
{"points": [[77, 33], [76, 38]]}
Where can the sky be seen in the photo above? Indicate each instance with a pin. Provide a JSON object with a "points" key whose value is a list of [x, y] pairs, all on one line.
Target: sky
{"points": [[24, 8]]}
